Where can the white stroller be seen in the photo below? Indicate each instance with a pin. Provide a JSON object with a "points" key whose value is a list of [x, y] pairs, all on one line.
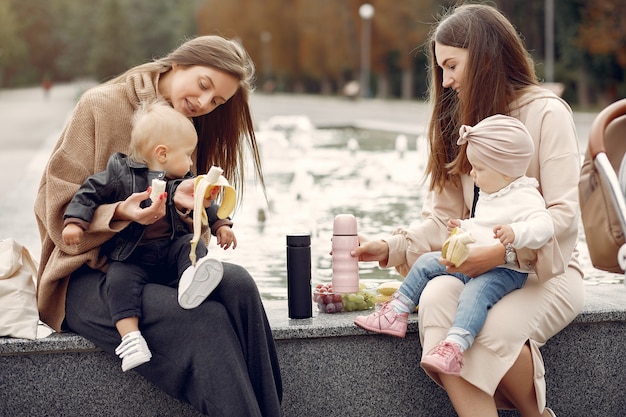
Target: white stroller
{"points": [[602, 189]]}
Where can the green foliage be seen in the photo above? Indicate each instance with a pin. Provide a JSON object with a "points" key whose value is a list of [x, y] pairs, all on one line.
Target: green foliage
{"points": [[68, 39], [12, 48], [298, 45]]}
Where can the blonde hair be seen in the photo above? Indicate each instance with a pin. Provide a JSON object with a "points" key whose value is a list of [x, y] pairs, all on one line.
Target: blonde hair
{"points": [[224, 133], [157, 123]]}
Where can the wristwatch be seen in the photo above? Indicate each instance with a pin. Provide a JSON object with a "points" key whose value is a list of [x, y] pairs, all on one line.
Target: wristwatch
{"points": [[510, 257]]}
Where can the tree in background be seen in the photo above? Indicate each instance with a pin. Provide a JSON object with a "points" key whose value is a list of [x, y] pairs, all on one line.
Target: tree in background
{"points": [[315, 45], [110, 55], [300, 45], [98, 39], [400, 31], [602, 35], [33, 29], [13, 49], [310, 46]]}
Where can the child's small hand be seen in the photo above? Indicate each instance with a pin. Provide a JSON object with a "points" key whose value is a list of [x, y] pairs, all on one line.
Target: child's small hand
{"points": [[226, 237], [215, 191], [453, 223], [72, 233], [504, 233]]}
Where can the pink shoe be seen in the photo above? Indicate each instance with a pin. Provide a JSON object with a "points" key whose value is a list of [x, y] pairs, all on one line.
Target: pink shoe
{"points": [[445, 358], [386, 321]]}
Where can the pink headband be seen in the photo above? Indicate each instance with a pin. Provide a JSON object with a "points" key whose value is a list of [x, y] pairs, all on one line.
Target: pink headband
{"points": [[500, 142]]}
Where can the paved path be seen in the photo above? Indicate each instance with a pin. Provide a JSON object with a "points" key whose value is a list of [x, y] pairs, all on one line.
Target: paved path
{"points": [[30, 125]]}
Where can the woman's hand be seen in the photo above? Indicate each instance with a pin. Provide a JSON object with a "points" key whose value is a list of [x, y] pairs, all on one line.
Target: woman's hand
{"points": [[183, 197], [481, 259], [371, 250], [130, 209]]}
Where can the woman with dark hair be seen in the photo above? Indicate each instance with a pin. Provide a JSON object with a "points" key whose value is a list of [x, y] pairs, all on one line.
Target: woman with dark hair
{"points": [[479, 67]]}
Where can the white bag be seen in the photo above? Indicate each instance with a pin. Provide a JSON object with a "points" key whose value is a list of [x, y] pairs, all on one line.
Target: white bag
{"points": [[19, 316]]}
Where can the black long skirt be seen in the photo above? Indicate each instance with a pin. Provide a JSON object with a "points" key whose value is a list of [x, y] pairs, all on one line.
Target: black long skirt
{"points": [[220, 357]]}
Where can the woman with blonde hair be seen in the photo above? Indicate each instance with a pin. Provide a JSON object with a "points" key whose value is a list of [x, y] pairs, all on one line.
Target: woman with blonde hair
{"points": [[219, 356]]}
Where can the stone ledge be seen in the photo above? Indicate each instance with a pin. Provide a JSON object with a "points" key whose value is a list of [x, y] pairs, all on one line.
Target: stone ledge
{"points": [[602, 303], [329, 367]]}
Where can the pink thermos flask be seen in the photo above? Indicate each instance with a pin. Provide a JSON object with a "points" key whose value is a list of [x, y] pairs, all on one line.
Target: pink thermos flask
{"points": [[345, 267]]}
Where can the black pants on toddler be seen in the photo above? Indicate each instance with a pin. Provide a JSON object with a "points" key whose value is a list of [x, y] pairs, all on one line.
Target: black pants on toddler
{"points": [[219, 356], [158, 262]]}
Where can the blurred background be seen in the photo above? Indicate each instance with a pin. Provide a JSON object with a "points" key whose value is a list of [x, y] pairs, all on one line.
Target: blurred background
{"points": [[307, 46], [323, 154]]}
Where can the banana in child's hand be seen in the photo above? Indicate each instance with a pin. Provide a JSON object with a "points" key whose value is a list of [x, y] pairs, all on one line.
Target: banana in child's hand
{"points": [[455, 247], [203, 187], [158, 188]]}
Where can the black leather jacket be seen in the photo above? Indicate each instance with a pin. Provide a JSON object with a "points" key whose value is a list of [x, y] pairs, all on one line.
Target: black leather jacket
{"points": [[122, 178]]}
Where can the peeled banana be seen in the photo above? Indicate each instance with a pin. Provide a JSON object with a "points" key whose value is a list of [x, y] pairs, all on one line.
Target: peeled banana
{"points": [[204, 185], [388, 288], [455, 247], [385, 290], [158, 188]]}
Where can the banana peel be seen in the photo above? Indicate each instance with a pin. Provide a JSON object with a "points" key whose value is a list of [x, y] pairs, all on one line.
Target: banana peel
{"points": [[455, 249], [203, 187]]}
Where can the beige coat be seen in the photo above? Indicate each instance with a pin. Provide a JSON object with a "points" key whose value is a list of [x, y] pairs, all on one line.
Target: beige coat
{"points": [[100, 126], [547, 303]]}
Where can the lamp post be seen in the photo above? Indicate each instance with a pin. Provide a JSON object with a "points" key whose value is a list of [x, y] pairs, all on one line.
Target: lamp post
{"points": [[549, 42], [366, 11], [268, 83], [266, 38]]}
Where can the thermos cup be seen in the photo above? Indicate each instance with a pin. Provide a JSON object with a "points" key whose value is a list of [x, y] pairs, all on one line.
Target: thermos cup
{"points": [[345, 267], [299, 300]]}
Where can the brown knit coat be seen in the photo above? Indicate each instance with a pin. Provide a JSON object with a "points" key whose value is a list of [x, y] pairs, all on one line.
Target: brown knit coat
{"points": [[100, 125]]}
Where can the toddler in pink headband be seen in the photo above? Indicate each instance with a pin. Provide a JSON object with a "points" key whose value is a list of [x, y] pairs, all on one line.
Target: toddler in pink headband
{"points": [[509, 211], [500, 142]]}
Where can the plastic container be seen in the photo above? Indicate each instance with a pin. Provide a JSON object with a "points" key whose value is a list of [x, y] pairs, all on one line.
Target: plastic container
{"points": [[330, 302]]}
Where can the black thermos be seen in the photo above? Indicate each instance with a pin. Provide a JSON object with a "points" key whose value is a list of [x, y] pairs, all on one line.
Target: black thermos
{"points": [[299, 300]]}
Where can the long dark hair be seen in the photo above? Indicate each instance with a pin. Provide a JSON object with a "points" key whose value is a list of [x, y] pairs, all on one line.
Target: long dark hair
{"points": [[498, 67]]}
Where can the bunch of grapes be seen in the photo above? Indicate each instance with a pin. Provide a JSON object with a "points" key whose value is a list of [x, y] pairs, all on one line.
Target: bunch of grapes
{"points": [[329, 302]]}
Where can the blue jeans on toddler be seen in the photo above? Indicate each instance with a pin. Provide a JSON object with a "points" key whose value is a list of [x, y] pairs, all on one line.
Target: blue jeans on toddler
{"points": [[478, 295]]}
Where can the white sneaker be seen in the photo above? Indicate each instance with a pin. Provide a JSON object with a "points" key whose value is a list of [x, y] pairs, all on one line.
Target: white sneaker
{"points": [[133, 351], [198, 282]]}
